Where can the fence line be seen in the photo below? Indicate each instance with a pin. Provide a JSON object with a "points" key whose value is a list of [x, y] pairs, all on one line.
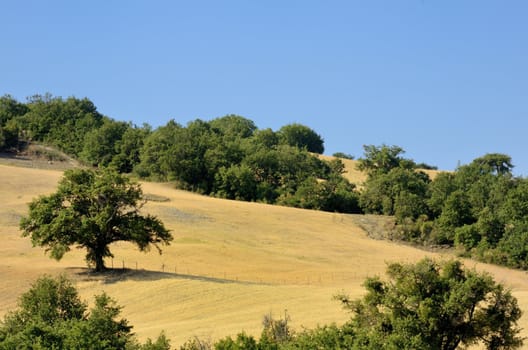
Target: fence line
{"points": [[315, 279]]}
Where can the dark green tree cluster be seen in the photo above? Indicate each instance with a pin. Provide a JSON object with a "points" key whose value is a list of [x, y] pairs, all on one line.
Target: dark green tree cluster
{"points": [[433, 306], [394, 185], [227, 157], [483, 209], [52, 316], [480, 208], [10, 112]]}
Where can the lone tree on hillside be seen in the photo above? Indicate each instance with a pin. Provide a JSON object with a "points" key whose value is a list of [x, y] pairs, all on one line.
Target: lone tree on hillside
{"points": [[92, 209], [434, 306]]}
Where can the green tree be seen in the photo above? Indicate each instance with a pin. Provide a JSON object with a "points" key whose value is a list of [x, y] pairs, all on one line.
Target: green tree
{"points": [[301, 136], [440, 189], [236, 182], [399, 191], [100, 145], [10, 111], [265, 138], [59, 122], [455, 213], [129, 147], [434, 306], [234, 126], [9, 135], [333, 193], [382, 159], [50, 315], [91, 210], [496, 163], [155, 155]]}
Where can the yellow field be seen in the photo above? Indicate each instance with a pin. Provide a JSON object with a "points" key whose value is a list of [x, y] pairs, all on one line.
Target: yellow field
{"points": [[358, 177], [230, 263]]}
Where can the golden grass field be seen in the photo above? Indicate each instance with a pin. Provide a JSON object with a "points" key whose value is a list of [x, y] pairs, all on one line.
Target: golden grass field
{"points": [[230, 263]]}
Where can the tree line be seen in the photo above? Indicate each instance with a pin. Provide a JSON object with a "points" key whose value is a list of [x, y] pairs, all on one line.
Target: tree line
{"points": [[227, 157], [481, 208]]}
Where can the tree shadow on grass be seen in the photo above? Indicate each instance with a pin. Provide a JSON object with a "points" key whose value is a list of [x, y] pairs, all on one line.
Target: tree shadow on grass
{"points": [[114, 275]]}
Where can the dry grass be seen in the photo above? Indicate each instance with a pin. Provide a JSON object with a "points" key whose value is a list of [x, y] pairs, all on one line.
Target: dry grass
{"points": [[230, 263], [358, 177]]}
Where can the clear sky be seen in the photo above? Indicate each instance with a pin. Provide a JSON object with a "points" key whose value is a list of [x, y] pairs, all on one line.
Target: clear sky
{"points": [[447, 80]]}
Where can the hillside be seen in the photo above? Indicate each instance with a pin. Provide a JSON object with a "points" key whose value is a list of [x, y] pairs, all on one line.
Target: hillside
{"points": [[357, 177], [230, 263]]}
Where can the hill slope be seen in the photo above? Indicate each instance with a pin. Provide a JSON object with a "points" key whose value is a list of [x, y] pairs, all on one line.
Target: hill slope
{"points": [[230, 263]]}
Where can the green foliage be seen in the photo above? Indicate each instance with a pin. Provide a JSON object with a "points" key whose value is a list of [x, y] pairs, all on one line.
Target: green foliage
{"points": [[100, 145], [155, 155], [512, 249], [480, 208], [127, 149], [432, 306], [495, 163], [440, 189], [234, 126], [382, 159], [265, 138], [9, 136], [161, 343], [302, 137], [399, 191], [325, 337], [229, 158], [226, 157], [51, 316], [10, 111], [91, 210], [343, 155], [62, 123], [333, 193], [242, 342], [236, 182]]}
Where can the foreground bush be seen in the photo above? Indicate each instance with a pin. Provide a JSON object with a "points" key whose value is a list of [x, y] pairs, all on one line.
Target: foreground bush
{"points": [[51, 316]]}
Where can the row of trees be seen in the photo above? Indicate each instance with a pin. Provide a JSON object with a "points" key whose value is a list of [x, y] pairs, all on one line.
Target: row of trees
{"points": [[480, 208], [422, 306], [227, 157]]}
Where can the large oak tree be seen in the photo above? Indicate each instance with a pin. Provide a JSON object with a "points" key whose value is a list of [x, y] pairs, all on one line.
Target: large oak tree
{"points": [[92, 209]]}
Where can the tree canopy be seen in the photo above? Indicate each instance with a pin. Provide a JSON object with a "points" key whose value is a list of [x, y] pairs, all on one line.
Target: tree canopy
{"points": [[301, 136], [434, 306], [50, 315], [92, 209]]}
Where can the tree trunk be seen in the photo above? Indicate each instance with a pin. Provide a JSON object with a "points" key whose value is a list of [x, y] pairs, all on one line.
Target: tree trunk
{"points": [[99, 264]]}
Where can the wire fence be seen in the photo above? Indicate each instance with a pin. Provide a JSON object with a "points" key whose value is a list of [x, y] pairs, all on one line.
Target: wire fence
{"points": [[180, 271]]}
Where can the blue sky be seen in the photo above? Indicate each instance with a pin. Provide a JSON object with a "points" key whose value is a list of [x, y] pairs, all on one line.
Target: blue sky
{"points": [[446, 80]]}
